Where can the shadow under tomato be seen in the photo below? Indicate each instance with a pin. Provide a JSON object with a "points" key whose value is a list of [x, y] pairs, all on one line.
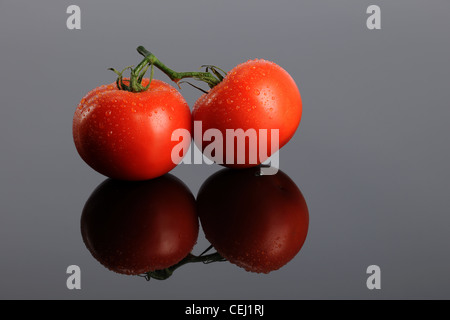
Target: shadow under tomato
{"points": [[257, 222], [136, 227]]}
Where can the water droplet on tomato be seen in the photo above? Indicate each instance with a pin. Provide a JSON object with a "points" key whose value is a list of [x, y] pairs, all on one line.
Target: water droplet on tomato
{"points": [[133, 110], [170, 118], [108, 113], [238, 107], [247, 88], [229, 101], [257, 92], [109, 133]]}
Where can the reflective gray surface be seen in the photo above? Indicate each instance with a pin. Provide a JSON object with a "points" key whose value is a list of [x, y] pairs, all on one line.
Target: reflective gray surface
{"points": [[371, 155]]}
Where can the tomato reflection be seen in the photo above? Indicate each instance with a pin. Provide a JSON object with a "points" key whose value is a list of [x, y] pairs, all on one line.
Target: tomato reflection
{"points": [[257, 222], [135, 227]]}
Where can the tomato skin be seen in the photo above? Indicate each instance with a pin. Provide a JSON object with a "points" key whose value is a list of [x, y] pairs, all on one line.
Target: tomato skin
{"points": [[256, 222], [135, 227], [127, 136], [256, 94]]}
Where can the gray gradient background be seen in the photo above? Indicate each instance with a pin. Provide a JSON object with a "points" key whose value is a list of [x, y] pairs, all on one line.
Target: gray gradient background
{"points": [[371, 155]]}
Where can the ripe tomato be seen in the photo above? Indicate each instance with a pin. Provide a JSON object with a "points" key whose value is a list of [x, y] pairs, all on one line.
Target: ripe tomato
{"points": [[257, 222], [126, 135], [136, 227], [257, 94]]}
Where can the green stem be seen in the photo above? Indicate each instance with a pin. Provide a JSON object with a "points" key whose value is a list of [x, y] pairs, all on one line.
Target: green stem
{"points": [[134, 84], [150, 58]]}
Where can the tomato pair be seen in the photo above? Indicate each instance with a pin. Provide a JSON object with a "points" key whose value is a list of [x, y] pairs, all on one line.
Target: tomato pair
{"points": [[124, 130], [256, 222]]}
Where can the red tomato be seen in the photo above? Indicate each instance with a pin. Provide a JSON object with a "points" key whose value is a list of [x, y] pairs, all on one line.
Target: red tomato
{"points": [[136, 227], [126, 135], [257, 94], [257, 222]]}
